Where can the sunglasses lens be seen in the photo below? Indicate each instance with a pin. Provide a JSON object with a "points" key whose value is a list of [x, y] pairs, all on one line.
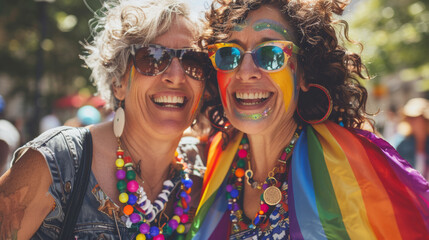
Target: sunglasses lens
{"points": [[270, 57], [151, 60], [193, 64], [227, 58]]}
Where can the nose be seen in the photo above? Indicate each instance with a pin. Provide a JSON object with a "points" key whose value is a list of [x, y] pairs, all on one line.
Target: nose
{"points": [[174, 74], [248, 70]]}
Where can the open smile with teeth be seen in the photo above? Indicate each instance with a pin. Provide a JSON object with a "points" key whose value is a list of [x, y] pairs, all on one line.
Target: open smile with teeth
{"points": [[170, 101], [254, 98]]}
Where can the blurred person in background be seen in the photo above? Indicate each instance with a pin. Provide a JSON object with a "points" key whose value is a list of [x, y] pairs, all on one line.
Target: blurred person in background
{"points": [[9, 139], [142, 184], [412, 140], [85, 116]]}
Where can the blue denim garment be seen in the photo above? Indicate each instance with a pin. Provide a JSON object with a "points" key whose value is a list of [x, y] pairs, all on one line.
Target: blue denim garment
{"points": [[62, 148]]}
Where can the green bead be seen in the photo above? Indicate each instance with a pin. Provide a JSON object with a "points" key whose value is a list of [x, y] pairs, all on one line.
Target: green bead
{"points": [[121, 185], [262, 197], [241, 163], [180, 237], [131, 175], [243, 140], [167, 230]]}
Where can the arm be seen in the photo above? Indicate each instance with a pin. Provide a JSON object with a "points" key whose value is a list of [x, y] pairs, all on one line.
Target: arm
{"points": [[24, 197], [4, 154]]}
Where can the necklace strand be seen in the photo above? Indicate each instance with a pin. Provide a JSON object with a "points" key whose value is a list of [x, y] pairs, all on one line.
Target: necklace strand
{"points": [[272, 194], [140, 212]]}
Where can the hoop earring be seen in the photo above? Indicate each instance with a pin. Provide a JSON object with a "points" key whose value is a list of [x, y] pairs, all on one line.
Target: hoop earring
{"points": [[330, 106], [119, 121]]}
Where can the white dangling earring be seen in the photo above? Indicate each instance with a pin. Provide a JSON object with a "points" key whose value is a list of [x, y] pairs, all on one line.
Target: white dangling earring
{"points": [[119, 121]]}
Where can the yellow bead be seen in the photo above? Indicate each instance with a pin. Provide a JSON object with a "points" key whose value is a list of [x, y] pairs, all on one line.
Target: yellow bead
{"points": [[141, 236], [177, 218], [123, 197], [119, 162], [180, 229]]}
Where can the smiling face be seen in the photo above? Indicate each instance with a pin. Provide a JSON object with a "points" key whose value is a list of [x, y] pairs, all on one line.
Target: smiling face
{"points": [[256, 100], [165, 104]]}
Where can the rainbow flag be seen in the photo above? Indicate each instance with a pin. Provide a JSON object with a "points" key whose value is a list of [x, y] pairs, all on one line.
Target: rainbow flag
{"points": [[343, 184]]}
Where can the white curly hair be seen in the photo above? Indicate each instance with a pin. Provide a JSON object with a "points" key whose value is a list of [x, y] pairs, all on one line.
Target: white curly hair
{"points": [[117, 26]]}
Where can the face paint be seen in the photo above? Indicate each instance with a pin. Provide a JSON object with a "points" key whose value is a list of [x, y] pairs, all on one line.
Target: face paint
{"points": [[130, 78], [255, 116], [196, 105], [287, 81], [240, 26], [273, 25], [223, 80]]}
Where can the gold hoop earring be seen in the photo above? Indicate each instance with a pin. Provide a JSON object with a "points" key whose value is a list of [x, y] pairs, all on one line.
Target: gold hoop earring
{"points": [[329, 110]]}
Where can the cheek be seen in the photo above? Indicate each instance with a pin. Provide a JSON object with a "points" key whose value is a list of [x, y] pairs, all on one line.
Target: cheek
{"points": [[287, 81], [223, 80]]}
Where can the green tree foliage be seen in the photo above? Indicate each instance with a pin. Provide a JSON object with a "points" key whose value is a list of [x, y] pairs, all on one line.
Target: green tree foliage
{"points": [[396, 38], [21, 27]]}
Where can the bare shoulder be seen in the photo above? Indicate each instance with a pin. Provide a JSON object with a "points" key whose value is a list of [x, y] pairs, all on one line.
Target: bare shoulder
{"points": [[24, 197]]}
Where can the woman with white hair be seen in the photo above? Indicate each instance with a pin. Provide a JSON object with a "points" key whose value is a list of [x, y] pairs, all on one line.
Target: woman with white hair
{"points": [[140, 184]]}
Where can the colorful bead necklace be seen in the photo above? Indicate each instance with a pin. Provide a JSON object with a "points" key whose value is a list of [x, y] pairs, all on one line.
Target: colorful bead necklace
{"points": [[272, 194], [140, 213]]}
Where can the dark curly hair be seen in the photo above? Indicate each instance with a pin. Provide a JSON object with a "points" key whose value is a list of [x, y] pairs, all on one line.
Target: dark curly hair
{"points": [[322, 60]]}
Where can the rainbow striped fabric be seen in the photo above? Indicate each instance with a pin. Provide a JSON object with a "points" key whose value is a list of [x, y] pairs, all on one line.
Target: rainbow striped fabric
{"points": [[344, 184]]}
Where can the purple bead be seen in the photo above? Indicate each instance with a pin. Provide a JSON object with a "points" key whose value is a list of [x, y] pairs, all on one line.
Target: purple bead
{"points": [[188, 198], [154, 231], [236, 207], [135, 218], [178, 211], [120, 174], [265, 186], [229, 188], [144, 228], [173, 224]]}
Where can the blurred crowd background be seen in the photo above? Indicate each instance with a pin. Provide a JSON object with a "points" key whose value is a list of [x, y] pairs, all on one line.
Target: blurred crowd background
{"points": [[43, 83]]}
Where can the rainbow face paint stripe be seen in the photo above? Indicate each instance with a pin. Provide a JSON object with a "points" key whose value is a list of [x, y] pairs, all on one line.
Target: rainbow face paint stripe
{"points": [[254, 116], [273, 25], [223, 80], [130, 78], [287, 81]]}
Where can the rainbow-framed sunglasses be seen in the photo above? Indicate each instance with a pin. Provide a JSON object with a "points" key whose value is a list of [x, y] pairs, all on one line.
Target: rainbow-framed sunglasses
{"points": [[269, 56]]}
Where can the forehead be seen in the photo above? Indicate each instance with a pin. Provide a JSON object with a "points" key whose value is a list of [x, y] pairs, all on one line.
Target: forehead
{"points": [[265, 23], [179, 35]]}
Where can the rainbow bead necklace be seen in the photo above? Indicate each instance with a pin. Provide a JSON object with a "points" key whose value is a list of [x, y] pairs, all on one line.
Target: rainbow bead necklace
{"points": [[272, 194], [140, 213]]}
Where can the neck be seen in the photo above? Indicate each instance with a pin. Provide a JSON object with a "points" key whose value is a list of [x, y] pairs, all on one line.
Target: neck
{"points": [[266, 148], [154, 154]]}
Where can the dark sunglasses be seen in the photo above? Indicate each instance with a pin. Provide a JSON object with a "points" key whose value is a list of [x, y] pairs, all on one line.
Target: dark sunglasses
{"points": [[269, 56], [153, 59]]}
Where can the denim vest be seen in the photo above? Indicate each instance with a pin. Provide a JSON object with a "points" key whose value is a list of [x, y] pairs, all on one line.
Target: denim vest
{"points": [[62, 149]]}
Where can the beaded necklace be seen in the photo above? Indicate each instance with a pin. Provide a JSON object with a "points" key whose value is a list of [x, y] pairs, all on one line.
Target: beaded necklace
{"points": [[272, 194], [140, 213]]}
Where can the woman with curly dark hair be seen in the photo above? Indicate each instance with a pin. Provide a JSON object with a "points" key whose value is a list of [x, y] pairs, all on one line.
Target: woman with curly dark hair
{"points": [[291, 158]]}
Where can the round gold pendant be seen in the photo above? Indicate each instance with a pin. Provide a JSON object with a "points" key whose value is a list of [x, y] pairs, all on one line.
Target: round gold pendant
{"points": [[272, 195]]}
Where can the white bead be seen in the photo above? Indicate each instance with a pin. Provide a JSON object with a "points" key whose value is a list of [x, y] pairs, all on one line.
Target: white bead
{"points": [[119, 122], [168, 183], [163, 196]]}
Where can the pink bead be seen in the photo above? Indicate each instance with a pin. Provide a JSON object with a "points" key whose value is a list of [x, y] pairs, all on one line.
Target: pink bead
{"points": [[264, 207], [184, 218], [159, 237], [173, 224], [132, 186], [283, 156], [242, 153]]}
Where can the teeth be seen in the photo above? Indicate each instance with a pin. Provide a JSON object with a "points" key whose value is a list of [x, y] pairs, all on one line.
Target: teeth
{"points": [[169, 99], [252, 96]]}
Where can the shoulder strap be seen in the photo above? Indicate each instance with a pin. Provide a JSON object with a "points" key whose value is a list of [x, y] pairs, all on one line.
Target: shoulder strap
{"points": [[79, 188]]}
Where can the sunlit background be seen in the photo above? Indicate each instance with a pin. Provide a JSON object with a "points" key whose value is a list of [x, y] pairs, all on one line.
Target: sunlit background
{"points": [[41, 73]]}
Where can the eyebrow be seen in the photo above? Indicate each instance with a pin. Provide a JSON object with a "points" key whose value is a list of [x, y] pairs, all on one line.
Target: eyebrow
{"points": [[265, 39], [263, 24]]}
